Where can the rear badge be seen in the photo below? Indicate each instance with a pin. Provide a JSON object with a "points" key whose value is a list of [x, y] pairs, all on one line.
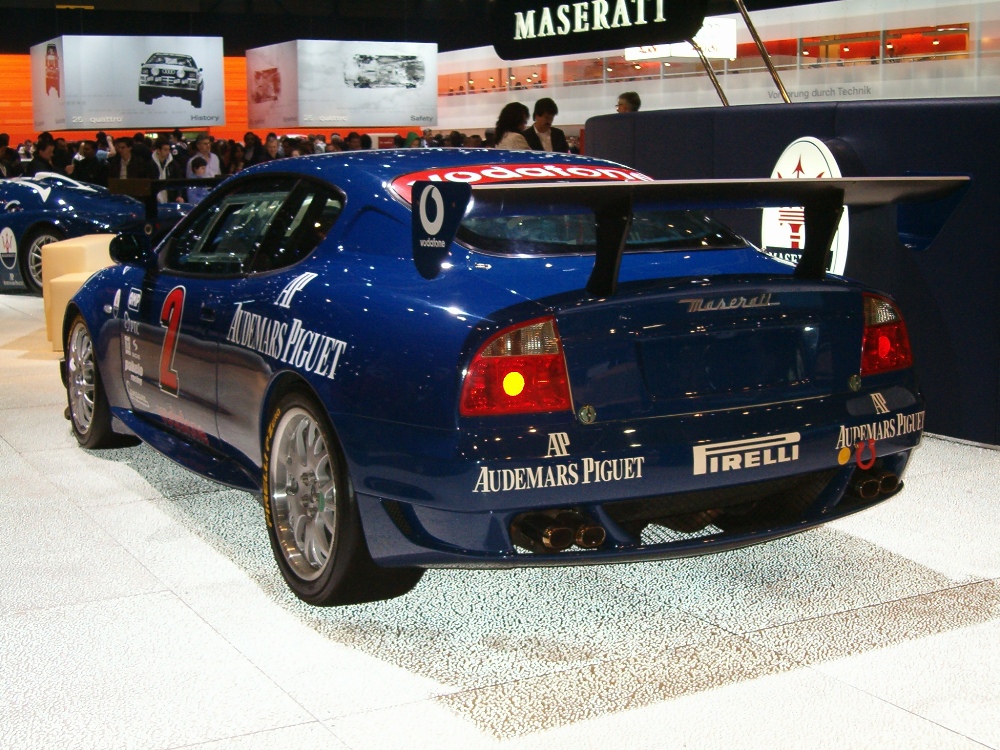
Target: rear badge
{"points": [[701, 304], [587, 414]]}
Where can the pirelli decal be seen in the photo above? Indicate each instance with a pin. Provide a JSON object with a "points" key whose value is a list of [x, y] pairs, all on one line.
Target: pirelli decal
{"points": [[738, 455]]}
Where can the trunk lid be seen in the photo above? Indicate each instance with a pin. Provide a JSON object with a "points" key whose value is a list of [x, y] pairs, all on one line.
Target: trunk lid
{"points": [[701, 345]]}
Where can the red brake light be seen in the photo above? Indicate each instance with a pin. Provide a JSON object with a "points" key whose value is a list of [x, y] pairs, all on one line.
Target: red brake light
{"points": [[886, 345], [519, 370]]}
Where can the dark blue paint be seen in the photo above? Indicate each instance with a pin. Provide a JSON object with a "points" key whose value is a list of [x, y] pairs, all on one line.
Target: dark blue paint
{"points": [[73, 209], [393, 396]]}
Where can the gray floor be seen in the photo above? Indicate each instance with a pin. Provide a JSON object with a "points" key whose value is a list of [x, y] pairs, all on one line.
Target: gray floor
{"points": [[140, 608]]}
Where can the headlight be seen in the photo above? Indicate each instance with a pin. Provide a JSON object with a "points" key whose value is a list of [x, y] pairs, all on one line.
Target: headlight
{"points": [[181, 73], [154, 71]]}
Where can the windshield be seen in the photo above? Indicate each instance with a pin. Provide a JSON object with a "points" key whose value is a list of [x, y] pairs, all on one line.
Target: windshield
{"points": [[170, 60], [573, 233]]}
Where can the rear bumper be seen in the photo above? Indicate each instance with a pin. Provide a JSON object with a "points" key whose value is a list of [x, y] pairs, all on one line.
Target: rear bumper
{"points": [[729, 487], [400, 535]]}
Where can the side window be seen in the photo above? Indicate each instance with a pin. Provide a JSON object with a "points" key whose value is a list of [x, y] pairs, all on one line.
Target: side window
{"points": [[222, 238], [303, 222]]}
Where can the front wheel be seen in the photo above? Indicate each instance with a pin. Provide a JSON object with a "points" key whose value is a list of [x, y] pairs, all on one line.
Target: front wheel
{"points": [[312, 519], [89, 412], [31, 258]]}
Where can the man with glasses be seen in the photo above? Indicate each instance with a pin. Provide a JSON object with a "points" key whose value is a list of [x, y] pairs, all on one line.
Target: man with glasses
{"points": [[629, 102]]}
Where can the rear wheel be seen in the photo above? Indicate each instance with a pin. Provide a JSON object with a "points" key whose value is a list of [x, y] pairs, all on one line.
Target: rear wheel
{"points": [[312, 519], [88, 405], [31, 258]]}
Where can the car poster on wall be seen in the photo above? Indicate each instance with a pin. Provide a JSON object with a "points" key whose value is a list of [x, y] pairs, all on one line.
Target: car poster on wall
{"points": [[329, 84], [95, 82]]}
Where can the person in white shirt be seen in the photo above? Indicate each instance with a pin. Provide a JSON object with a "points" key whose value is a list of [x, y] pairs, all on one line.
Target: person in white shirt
{"points": [[511, 123], [542, 136], [212, 166]]}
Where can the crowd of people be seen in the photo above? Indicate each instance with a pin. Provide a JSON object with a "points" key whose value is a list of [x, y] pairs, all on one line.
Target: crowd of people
{"points": [[102, 158]]}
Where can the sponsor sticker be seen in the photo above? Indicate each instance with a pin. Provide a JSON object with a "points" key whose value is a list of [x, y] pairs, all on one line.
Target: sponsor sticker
{"points": [[484, 174], [293, 344], [585, 471], [853, 441], [738, 455], [293, 287], [134, 299]]}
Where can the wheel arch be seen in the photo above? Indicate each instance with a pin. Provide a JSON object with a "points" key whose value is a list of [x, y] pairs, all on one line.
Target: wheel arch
{"points": [[282, 383]]}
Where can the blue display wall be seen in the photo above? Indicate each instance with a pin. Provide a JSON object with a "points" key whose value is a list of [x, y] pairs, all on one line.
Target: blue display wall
{"points": [[947, 290]]}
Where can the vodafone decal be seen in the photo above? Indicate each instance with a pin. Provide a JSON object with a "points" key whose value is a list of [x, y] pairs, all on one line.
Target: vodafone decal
{"points": [[492, 173]]}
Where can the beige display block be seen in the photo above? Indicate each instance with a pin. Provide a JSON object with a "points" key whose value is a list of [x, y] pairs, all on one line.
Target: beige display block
{"points": [[65, 266]]}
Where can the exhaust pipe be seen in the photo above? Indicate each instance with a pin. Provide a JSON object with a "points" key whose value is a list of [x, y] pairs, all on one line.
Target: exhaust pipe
{"points": [[887, 482], [540, 533], [864, 485], [869, 484], [586, 533]]}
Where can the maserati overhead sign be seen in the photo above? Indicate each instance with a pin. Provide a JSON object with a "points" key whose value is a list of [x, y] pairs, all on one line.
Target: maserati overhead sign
{"points": [[536, 28]]}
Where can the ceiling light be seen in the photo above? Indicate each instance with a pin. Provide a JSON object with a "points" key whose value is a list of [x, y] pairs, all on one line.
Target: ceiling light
{"points": [[935, 42]]}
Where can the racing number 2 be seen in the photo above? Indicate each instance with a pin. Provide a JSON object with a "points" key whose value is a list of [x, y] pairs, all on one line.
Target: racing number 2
{"points": [[170, 318]]}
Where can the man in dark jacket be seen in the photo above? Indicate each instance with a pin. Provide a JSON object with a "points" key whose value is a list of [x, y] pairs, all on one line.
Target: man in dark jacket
{"points": [[125, 163], [542, 136], [42, 160], [88, 167]]}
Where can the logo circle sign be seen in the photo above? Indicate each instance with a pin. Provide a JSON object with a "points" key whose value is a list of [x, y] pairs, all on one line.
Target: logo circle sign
{"points": [[783, 230], [432, 227], [8, 248]]}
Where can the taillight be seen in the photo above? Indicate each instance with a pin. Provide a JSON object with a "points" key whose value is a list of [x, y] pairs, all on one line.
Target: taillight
{"points": [[886, 345], [519, 370]]}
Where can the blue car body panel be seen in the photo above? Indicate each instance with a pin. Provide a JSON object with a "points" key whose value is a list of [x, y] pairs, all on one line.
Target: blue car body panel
{"points": [[70, 207], [699, 405]]}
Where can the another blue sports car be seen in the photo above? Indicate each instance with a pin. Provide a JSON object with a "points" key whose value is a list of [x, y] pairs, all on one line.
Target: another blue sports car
{"points": [[478, 358], [35, 211]]}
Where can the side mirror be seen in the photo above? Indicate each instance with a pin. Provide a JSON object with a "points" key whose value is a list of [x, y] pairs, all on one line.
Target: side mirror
{"points": [[132, 250]]}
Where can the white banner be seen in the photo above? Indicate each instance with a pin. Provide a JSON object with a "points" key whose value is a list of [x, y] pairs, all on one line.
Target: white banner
{"points": [[328, 84], [128, 82]]}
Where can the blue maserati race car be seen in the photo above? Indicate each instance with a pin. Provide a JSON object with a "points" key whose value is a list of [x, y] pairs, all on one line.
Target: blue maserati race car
{"points": [[479, 358], [49, 207]]}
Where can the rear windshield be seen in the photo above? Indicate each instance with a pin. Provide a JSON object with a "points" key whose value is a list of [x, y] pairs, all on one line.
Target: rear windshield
{"points": [[573, 233]]}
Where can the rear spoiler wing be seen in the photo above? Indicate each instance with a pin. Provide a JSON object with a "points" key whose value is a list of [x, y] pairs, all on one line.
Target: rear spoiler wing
{"points": [[611, 202]]}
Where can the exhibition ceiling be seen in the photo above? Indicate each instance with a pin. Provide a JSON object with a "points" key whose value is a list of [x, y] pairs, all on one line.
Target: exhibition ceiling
{"points": [[452, 24]]}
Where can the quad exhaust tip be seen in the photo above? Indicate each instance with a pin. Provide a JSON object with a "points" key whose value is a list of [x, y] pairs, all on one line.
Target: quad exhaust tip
{"points": [[556, 531], [868, 485]]}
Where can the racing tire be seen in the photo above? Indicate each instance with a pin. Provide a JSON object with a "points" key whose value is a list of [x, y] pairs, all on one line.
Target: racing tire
{"points": [[89, 413], [144, 96], [312, 517], [196, 99], [31, 258]]}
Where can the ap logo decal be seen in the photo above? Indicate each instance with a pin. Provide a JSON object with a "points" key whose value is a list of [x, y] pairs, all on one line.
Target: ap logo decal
{"points": [[783, 230], [438, 208]]}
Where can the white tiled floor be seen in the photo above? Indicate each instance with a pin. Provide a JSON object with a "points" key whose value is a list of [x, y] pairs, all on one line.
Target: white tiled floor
{"points": [[140, 608]]}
